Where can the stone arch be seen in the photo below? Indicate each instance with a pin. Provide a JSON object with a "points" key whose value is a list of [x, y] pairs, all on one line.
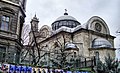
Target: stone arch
{"points": [[45, 27], [95, 19], [45, 31]]}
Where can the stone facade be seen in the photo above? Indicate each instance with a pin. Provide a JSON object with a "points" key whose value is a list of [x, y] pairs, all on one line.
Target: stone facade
{"points": [[89, 38], [12, 14]]}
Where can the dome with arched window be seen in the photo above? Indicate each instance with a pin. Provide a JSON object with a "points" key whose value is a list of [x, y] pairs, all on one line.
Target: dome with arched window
{"points": [[65, 20]]}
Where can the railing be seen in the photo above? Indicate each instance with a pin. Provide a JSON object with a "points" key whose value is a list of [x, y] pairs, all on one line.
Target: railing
{"points": [[88, 63], [83, 63]]}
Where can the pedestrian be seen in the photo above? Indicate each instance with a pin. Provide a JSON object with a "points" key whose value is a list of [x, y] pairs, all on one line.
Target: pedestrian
{"points": [[53, 71], [34, 70], [39, 71], [43, 71]]}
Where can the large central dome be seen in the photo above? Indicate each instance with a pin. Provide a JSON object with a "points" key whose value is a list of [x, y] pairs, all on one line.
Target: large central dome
{"points": [[66, 17], [65, 20]]}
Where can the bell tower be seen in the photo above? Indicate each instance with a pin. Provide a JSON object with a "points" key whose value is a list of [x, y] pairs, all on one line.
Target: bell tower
{"points": [[34, 28], [34, 24]]}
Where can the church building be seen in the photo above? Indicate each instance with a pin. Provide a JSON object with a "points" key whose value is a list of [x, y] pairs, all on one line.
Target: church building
{"points": [[68, 41]]}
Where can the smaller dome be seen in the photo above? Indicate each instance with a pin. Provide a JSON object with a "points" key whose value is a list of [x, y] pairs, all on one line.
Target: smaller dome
{"points": [[100, 42], [71, 46]]}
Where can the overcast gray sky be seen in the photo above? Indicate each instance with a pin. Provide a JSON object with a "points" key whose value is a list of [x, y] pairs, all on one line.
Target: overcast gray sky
{"points": [[48, 10]]}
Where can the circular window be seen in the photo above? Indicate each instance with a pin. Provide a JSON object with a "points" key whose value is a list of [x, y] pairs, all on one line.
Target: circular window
{"points": [[98, 27]]}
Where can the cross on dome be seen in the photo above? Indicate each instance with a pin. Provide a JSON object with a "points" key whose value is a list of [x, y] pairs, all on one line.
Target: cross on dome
{"points": [[65, 12]]}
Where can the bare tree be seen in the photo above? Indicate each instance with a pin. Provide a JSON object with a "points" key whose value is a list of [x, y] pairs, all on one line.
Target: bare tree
{"points": [[25, 40], [60, 54], [118, 31], [25, 34], [31, 50], [118, 49], [36, 49], [24, 53]]}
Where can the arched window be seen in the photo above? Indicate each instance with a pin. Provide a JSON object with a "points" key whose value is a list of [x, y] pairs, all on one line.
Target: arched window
{"points": [[97, 55], [75, 55]]}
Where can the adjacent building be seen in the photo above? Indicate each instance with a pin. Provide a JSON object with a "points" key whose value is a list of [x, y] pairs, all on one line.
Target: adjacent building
{"points": [[12, 16]]}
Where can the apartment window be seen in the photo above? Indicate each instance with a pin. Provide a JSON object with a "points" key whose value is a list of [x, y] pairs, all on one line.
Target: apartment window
{"points": [[5, 23], [2, 53], [2, 49]]}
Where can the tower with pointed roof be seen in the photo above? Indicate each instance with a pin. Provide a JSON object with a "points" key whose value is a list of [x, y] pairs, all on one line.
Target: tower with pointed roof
{"points": [[34, 27], [34, 24]]}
